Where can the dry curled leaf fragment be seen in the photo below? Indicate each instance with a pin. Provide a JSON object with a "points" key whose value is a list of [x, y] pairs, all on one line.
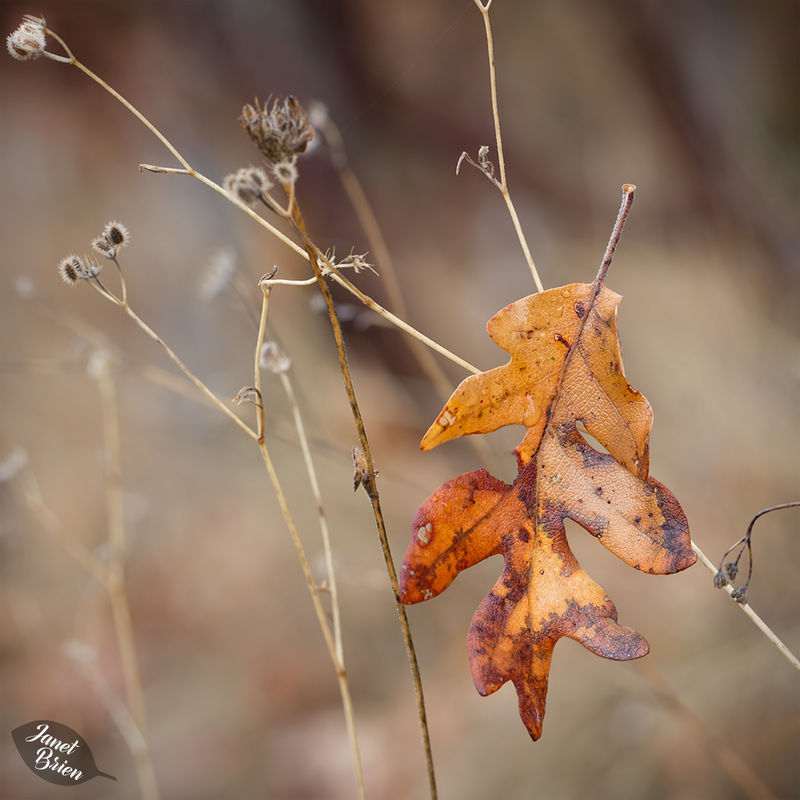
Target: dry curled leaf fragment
{"points": [[565, 369]]}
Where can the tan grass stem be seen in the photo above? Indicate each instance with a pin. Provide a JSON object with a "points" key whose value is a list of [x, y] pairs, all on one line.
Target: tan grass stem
{"points": [[503, 184], [332, 640], [746, 608], [370, 485], [115, 583]]}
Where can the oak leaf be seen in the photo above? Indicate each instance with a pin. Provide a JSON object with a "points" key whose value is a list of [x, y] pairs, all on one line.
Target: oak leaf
{"points": [[565, 370]]}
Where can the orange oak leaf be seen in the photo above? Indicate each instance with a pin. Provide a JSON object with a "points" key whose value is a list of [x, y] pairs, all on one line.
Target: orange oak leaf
{"points": [[565, 369]]}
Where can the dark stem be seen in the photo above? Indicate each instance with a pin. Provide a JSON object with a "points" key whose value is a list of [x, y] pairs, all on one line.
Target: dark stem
{"points": [[370, 486], [628, 191]]}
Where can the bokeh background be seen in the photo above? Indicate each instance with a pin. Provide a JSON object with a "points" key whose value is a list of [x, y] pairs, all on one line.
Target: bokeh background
{"points": [[694, 101]]}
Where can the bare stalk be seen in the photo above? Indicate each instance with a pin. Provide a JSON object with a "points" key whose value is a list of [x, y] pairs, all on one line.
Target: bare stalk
{"points": [[332, 640], [323, 518], [370, 485], [503, 184], [188, 373], [115, 583], [747, 609]]}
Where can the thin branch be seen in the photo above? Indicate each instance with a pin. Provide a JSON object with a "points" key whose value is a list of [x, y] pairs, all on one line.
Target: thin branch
{"points": [[747, 609], [484, 9], [189, 374]]}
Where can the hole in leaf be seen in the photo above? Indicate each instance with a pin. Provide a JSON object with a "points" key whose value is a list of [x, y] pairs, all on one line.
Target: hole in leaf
{"points": [[589, 439]]}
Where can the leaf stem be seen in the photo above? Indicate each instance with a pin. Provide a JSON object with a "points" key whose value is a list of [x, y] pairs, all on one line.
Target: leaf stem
{"points": [[628, 193]]}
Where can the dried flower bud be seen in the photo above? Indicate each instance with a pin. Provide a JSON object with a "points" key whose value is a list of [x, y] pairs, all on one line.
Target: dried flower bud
{"points": [[731, 570], [739, 594], [273, 359], [719, 579], [27, 42], [280, 132]]}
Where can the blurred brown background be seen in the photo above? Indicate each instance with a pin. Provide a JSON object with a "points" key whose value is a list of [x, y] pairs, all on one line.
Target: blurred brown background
{"points": [[696, 102]]}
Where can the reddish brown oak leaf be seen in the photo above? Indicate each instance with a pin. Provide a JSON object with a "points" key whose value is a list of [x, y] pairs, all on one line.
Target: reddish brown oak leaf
{"points": [[565, 369]]}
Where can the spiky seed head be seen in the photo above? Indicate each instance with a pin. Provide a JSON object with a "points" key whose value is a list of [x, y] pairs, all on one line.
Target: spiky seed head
{"points": [[281, 131], [719, 579], [71, 269], [103, 245], [248, 184], [27, 42], [285, 172], [117, 234]]}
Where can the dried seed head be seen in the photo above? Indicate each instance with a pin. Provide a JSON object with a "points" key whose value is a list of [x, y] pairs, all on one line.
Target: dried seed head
{"points": [[731, 570], [70, 269], [285, 171], [248, 185], [273, 359], [117, 234], [104, 247], [75, 268], [280, 132], [719, 579], [28, 40]]}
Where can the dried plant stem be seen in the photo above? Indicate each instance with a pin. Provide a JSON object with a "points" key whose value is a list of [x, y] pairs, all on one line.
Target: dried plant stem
{"points": [[383, 257], [333, 640], [121, 715], [760, 624], [503, 185], [370, 485], [188, 373], [115, 583], [323, 519], [98, 80], [370, 303], [342, 281]]}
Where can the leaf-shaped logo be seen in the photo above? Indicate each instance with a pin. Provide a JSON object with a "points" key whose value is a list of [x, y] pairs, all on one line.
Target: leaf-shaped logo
{"points": [[56, 753]]}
